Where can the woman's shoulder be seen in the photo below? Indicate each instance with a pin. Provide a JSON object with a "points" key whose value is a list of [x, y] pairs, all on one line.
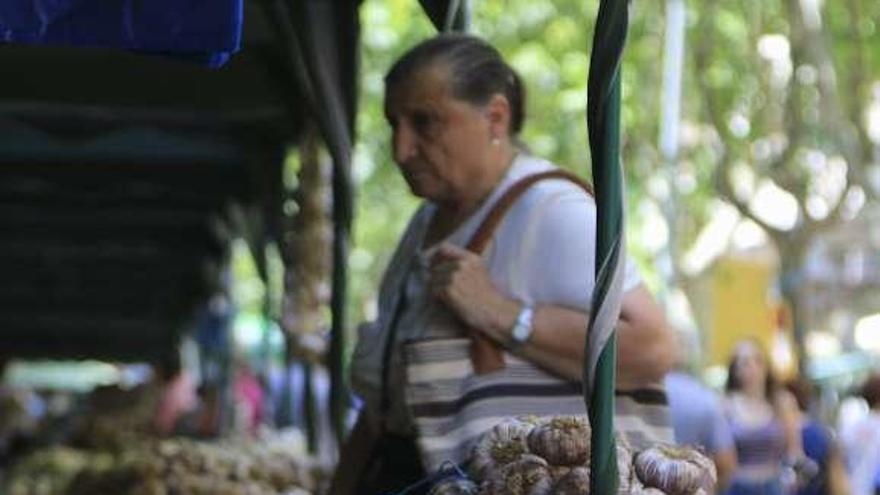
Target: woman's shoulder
{"points": [[784, 402], [557, 189]]}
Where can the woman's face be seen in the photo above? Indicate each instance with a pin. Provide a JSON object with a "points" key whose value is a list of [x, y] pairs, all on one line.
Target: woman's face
{"points": [[750, 366], [439, 142]]}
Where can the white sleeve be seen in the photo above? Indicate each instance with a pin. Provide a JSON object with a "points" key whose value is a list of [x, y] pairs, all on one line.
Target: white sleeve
{"points": [[557, 255]]}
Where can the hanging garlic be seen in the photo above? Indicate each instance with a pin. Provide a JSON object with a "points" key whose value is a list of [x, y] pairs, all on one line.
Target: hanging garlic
{"points": [[576, 482], [503, 444], [675, 470], [454, 486], [562, 441]]}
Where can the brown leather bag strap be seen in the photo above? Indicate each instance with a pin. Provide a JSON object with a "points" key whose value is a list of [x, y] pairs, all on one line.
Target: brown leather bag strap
{"points": [[484, 232], [485, 354]]}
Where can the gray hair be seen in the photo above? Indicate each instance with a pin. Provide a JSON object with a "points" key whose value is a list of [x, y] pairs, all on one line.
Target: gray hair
{"points": [[476, 72]]}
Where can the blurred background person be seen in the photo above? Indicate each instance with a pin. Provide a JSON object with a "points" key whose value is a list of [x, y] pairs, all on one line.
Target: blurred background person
{"points": [[819, 444], [697, 416], [208, 417], [177, 399], [763, 418], [861, 443], [248, 397]]}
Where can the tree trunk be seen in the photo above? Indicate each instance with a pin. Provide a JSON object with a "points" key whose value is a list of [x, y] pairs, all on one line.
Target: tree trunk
{"points": [[792, 256]]}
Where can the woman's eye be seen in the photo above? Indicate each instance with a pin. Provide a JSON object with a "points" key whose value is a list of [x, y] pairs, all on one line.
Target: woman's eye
{"points": [[421, 122]]}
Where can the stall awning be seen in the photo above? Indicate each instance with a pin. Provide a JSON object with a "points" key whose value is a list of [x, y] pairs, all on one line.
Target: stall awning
{"points": [[207, 32]]}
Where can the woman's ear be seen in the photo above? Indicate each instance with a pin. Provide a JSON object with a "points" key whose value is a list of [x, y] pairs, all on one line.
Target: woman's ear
{"points": [[498, 114]]}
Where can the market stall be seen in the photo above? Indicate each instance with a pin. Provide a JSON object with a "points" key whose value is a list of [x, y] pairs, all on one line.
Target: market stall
{"points": [[138, 169]]}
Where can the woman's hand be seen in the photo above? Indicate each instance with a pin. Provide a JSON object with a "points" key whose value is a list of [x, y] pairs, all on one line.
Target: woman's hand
{"points": [[460, 279]]}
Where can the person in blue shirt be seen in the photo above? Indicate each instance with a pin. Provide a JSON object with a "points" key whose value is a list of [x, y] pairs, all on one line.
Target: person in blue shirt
{"points": [[697, 415], [698, 421], [820, 445]]}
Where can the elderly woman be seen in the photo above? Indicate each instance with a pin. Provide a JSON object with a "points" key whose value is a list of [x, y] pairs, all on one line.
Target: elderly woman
{"points": [[455, 109]]}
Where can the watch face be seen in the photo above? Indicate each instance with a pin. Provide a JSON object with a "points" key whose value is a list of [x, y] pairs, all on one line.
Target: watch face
{"points": [[522, 329], [521, 332]]}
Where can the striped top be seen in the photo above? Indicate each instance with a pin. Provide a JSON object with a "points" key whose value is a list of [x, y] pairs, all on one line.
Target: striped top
{"points": [[761, 446]]}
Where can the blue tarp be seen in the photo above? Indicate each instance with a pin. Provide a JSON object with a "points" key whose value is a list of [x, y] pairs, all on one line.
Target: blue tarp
{"points": [[206, 31]]}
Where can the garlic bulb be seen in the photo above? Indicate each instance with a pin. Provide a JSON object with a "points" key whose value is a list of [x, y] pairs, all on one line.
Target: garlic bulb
{"points": [[531, 419], [637, 488], [528, 475], [576, 482], [562, 441], [577, 479], [503, 444], [454, 486], [558, 472], [624, 466], [675, 470]]}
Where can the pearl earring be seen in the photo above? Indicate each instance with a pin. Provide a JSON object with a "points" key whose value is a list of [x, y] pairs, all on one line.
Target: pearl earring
{"points": [[496, 141]]}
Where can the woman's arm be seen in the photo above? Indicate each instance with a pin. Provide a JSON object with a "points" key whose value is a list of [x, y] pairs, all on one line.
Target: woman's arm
{"points": [[644, 344], [557, 343], [788, 413], [838, 482]]}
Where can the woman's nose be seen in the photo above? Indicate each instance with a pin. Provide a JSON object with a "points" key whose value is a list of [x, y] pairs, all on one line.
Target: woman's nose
{"points": [[404, 143]]}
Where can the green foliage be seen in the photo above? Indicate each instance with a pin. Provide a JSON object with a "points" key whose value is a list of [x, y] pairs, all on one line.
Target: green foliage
{"points": [[781, 93], [784, 90], [383, 201]]}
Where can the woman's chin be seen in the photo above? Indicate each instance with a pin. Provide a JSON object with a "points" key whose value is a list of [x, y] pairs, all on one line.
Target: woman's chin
{"points": [[420, 188]]}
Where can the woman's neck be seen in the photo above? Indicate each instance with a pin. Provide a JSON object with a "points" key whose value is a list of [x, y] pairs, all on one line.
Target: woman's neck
{"points": [[756, 392], [481, 185], [450, 214]]}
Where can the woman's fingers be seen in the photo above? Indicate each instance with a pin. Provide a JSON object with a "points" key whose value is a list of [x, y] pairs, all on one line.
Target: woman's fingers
{"points": [[457, 276], [438, 283], [447, 251], [447, 262], [460, 280]]}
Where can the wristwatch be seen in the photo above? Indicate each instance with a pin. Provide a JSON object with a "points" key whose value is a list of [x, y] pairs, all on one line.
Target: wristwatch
{"points": [[522, 329]]}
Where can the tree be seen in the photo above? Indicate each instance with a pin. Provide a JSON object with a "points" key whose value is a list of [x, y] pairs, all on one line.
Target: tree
{"points": [[784, 89]]}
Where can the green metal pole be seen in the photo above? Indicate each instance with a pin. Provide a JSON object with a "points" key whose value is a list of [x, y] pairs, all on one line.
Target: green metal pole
{"points": [[603, 118]]}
